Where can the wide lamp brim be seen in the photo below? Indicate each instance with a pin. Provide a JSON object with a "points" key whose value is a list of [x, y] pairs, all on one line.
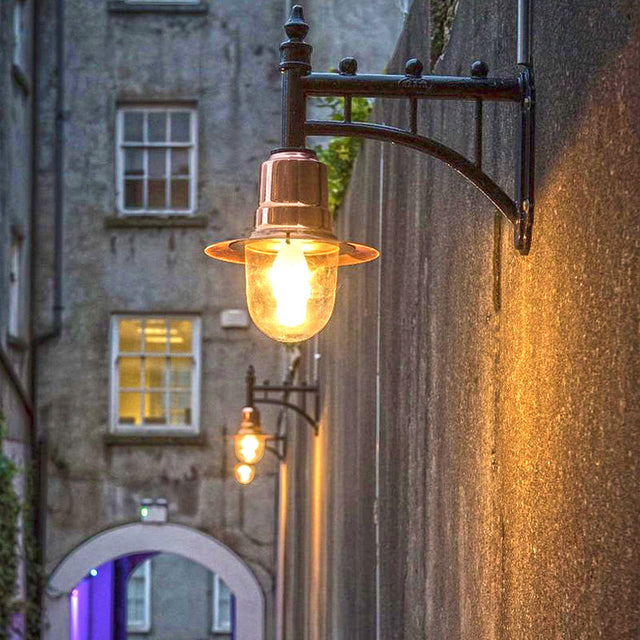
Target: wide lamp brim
{"points": [[233, 251]]}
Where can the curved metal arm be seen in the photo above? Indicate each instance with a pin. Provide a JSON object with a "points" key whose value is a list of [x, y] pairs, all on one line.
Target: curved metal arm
{"points": [[283, 403], [457, 161]]}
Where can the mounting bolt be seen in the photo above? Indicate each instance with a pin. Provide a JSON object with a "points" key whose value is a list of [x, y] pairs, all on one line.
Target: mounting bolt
{"points": [[526, 205], [479, 69], [527, 103], [414, 68], [348, 66]]}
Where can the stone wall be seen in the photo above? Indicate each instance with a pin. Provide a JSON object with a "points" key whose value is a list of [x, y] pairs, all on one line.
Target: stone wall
{"points": [[491, 397], [218, 59]]}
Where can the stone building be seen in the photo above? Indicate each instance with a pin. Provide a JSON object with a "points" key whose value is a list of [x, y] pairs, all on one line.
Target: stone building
{"points": [[130, 136], [17, 437]]}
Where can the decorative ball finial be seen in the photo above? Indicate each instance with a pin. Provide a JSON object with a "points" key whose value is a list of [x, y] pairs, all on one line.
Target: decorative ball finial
{"points": [[295, 27], [479, 69], [413, 67], [348, 66]]}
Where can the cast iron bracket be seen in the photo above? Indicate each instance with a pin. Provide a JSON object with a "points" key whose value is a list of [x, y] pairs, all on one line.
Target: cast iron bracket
{"points": [[259, 394], [299, 83]]}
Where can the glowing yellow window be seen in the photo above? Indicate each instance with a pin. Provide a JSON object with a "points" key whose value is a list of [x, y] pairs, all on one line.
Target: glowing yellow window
{"points": [[155, 373]]}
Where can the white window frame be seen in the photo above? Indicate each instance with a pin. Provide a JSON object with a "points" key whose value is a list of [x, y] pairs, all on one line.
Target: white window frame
{"points": [[145, 625], [15, 286], [121, 145], [196, 354], [216, 625]]}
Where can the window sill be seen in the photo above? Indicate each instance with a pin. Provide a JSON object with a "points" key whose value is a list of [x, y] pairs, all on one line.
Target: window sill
{"points": [[149, 439], [117, 6], [21, 78], [151, 221]]}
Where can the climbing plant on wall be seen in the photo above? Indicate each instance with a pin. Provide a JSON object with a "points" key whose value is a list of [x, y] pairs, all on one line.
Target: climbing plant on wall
{"points": [[340, 154], [9, 512]]}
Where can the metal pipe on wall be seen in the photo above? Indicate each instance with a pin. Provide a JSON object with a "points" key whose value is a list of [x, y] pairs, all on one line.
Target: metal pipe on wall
{"points": [[524, 32]]}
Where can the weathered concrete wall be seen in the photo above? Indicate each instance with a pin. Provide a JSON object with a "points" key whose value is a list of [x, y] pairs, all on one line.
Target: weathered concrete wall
{"points": [[16, 136], [224, 63], [508, 403]]}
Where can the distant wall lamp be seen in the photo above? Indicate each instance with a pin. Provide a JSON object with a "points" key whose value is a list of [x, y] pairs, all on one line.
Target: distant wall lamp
{"points": [[292, 257], [250, 442]]}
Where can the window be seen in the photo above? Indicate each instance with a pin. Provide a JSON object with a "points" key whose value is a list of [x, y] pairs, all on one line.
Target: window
{"points": [[155, 373], [15, 285], [221, 606], [139, 598], [156, 160]]}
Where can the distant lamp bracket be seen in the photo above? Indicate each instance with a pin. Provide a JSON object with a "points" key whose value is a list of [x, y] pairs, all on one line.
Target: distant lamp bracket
{"points": [[250, 443], [262, 394]]}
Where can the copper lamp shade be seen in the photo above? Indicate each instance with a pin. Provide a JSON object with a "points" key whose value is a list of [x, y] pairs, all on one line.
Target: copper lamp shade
{"points": [[294, 204]]}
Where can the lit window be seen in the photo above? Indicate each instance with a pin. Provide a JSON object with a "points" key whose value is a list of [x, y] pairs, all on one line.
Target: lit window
{"points": [[156, 160], [155, 373], [15, 286], [139, 598], [221, 606]]}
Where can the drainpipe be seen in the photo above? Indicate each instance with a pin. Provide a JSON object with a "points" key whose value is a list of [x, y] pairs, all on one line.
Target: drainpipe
{"points": [[40, 435]]}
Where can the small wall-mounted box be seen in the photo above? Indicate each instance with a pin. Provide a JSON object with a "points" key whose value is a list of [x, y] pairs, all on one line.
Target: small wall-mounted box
{"points": [[154, 511], [234, 319]]}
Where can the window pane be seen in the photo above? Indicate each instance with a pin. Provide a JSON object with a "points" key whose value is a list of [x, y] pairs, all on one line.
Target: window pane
{"points": [[155, 336], [223, 606], [133, 194], [130, 372], [154, 408], [129, 412], [157, 194], [179, 194], [157, 159], [180, 126], [133, 126], [181, 408], [130, 332], [179, 162], [181, 336], [133, 162], [155, 373], [181, 373], [157, 127]]}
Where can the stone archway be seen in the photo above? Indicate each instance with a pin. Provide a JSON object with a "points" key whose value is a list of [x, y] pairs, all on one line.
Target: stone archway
{"points": [[164, 538]]}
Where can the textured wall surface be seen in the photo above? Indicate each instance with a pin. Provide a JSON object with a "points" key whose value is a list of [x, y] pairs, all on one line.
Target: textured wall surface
{"points": [[508, 407]]}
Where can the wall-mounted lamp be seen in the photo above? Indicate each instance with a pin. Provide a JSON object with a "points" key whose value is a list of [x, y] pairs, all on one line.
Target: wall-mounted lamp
{"points": [[250, 443], [292, 257]]}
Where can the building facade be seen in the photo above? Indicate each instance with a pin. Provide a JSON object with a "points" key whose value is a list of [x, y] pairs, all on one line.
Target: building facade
{"points": [[18, 446], [130, 139]]}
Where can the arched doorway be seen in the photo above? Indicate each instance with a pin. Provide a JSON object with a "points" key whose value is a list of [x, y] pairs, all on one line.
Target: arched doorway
{"points": [[165, 538]]}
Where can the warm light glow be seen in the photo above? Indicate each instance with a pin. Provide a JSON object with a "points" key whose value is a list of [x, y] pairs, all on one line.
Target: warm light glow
{"points": [[290, 278], [244, 473], [249, 448], [291, 286]]}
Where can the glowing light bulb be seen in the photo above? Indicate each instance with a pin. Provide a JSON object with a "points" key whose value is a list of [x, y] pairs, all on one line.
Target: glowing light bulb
{"points": [[248, 448], [290, 280], [291, 286], [244, 473]]}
